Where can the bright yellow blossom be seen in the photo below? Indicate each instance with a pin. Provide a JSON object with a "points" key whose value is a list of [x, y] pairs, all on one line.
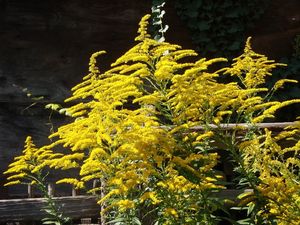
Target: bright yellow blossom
{"points": [[132, 124]]}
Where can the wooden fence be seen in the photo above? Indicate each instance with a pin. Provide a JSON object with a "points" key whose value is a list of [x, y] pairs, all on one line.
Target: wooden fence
{"points": [[86, 207], [75, 207]]}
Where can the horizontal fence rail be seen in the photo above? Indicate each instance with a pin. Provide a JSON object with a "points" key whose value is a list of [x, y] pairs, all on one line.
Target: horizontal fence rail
{"points": [[75, 207], [232, 126]]}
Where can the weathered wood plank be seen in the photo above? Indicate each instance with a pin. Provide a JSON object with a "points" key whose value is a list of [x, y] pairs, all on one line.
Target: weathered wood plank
{"points": [[232, 126], [75, 207], [30, 209], [45, 50]]}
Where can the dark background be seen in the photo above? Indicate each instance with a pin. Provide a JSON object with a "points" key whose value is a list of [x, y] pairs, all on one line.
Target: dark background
{"points": [[45, 48]]}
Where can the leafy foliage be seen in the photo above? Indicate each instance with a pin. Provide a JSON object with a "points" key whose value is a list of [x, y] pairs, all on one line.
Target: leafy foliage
{"points": [[159, 29], [218, 27], [29, 168], [134, 128]]}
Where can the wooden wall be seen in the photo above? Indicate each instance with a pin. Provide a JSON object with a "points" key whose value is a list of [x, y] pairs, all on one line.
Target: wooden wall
{"points": [[45, 46], [274, 33], [44, 50]]}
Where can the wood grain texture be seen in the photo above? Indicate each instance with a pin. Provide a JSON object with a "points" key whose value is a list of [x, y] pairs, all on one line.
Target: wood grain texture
{"points": [[46, 45], [241, 126], [45, 49], [75, 207], [30, 209], [232, 126]]}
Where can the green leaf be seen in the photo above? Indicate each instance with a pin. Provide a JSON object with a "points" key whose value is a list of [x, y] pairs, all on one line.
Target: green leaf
{"points": [[203, 25], [245, 194], [117, 220], [209, 6], [244, 222], [235, 46], [239, 208], [49, 221], [234, 29], [233, 14], [202, 38], [50, 211], [193, 14], [136, 221], [251, 207]]}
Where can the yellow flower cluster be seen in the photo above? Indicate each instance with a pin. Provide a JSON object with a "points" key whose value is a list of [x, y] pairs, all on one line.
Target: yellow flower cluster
{"points": [[278, 168], [125, 146], [143, 28], [131, 129], [252, 68], [29, 164]]}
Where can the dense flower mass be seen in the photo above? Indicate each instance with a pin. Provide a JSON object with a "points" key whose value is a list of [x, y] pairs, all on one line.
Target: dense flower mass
{"points": [[30, 164], [278, 169], [133, 129]]}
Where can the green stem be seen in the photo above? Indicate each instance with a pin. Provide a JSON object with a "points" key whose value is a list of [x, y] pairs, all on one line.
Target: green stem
{"points": [[231, 146], [55, 215]]}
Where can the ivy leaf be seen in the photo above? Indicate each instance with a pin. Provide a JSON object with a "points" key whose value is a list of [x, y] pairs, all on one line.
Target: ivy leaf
{"points": [[233, 14], [201, 38], [197, 4], [212, 47], [203, 25], [234, 29], [234, 46], [208, 6], [193, 13]]}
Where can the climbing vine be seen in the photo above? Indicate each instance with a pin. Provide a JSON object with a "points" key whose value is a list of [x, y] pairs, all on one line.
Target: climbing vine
{"points": [[218, 27]]}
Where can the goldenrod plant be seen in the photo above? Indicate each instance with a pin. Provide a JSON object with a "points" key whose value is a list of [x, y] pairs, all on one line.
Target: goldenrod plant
{"points": [[277, 189], [29, 168], [133, 128]]}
